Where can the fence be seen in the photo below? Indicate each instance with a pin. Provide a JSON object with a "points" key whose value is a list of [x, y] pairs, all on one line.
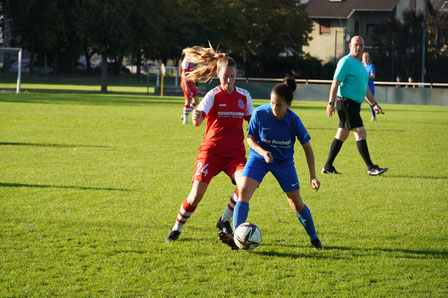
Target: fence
{"points": [[385, 92]]}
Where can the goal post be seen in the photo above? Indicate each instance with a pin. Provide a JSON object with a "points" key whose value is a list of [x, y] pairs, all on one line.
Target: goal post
{"points": [[19, 64]]}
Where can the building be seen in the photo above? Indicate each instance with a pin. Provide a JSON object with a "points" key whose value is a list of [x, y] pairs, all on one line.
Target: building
{"points": [[336, 21]]}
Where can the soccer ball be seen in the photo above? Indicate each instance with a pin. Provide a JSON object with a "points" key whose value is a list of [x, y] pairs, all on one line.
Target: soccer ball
{"points": [[247, 236]]}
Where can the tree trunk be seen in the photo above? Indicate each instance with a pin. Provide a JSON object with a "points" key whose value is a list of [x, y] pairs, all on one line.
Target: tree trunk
{"points": [[88, 55], [139, 62], [104, 73], [31, 64]]}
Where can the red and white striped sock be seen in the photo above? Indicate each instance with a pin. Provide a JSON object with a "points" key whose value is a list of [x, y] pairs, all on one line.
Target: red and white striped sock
{"points": [[192, 106], [186, 111], [186, 210], [228, 213]]}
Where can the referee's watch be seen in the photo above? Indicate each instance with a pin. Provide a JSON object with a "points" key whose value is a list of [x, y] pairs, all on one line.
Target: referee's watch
{"points": [[331, 103]]}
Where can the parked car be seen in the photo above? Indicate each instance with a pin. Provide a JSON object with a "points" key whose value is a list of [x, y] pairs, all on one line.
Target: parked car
{"points": [[145, 67], [26, 67]]}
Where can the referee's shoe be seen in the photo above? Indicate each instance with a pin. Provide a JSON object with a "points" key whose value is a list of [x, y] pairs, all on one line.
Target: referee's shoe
{"points": [[376, 170]]}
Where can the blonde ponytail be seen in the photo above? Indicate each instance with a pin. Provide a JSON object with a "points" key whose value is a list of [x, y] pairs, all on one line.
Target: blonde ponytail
{"points": [[207, 61]]}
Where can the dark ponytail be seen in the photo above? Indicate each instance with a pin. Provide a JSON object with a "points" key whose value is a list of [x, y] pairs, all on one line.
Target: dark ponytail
{"points": [[286, 89]]}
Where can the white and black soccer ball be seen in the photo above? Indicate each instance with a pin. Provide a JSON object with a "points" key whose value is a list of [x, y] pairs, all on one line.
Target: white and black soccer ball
{"points": [[247, 236]]}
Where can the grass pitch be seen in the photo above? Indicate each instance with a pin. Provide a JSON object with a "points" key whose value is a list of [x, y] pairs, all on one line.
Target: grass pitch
{"points": [[91, 184]]}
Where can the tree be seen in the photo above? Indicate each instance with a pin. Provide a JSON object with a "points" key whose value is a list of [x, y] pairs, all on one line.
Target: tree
{"points": [[36, 25], [256, 31], [400, 45], [105, 27]]}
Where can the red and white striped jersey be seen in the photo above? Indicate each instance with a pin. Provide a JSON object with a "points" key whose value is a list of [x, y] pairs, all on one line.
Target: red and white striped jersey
{"points": [[186, 66], [225, 114]]}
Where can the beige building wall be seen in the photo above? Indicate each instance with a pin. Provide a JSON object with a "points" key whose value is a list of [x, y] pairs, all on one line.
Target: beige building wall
{"points": [[327, 47]]}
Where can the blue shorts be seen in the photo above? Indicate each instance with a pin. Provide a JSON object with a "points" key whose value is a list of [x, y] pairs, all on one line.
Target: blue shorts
{"points": [[284, 172]]}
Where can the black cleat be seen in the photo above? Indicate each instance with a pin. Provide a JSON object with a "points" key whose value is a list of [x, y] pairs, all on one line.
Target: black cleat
{"points": [[224, 226], [376, 170], [227, 239], [315, 244], [172, 236], [330, 170]]}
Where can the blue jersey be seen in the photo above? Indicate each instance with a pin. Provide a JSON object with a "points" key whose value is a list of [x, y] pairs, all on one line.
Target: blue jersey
{"points": [[274, 135], [371, 71]]}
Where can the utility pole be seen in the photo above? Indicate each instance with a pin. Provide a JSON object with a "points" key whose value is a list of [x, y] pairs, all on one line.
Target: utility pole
{"points": [[425, 27]]}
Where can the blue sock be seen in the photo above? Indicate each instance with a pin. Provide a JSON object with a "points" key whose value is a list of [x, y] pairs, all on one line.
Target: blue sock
{"points": [[240, 213], [307, 221]]}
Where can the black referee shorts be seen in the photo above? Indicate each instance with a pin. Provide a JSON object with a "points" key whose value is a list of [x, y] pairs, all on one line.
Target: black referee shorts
{"points": [[349, 113]]}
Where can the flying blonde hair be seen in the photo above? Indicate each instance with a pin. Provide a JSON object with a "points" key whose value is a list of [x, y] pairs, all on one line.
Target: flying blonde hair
{"points": [[207, 62]]}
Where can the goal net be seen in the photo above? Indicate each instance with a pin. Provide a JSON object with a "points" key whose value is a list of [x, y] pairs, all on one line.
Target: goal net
{"points": [[16, 66]]}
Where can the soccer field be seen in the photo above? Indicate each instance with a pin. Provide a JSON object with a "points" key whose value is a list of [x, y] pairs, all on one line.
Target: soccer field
{"points": [[90, 185]]}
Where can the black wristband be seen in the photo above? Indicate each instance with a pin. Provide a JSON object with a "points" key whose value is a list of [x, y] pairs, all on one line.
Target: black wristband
{"points": [[331, 103], [375, 104]]}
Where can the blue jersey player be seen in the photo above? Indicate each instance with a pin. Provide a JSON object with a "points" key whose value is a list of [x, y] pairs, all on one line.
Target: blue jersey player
{"points": [[271, 135]]}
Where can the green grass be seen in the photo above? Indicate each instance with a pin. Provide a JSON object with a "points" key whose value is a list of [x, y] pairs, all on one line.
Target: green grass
{"points": [[90, 185], [139, 88]]}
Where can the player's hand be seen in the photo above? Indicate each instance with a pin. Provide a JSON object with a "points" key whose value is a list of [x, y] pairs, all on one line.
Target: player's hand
{"points": [[268, 156], [378, 109], [330, 110], [315, 184], [197, 118]]}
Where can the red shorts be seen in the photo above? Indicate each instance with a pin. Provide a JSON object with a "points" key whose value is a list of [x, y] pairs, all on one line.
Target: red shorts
{"points": [[208, 165], [189, 95]]}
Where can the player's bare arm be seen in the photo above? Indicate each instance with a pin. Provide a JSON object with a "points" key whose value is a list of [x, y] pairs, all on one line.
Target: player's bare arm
{"points": [[372, 102], [332, 97], [254, 145], [311, 165]]}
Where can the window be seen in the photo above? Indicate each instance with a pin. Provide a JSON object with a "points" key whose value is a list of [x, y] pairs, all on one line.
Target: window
{"points": [[325, 26], [445, 6], [356, 28], [370, 29]]}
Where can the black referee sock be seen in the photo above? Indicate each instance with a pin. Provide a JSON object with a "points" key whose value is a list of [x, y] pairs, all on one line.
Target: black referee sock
{"points": [[334, 150], [364, 151]]}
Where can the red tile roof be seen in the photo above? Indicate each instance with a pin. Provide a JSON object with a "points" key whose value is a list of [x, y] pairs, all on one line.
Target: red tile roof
{"points": [[345, 8]]}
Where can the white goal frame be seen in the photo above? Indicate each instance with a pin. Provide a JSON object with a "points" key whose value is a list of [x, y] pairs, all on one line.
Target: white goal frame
{"points": [[19, 65]]}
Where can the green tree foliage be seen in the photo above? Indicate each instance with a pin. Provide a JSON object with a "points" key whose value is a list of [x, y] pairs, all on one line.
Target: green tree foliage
{"points": [[254, 32], [401, 44], [36, 25]]}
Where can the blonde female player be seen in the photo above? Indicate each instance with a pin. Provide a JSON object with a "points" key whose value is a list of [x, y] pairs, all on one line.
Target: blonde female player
{"points": [[271, 135], [222, 149], [188, 87]]}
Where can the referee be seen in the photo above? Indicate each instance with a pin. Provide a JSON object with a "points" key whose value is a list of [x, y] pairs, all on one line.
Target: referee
{"points": [[348, 91]]}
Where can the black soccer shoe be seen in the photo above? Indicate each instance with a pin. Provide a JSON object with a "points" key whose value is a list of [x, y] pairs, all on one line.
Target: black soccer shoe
{"points": [[315, 244], [330, 170], [227, 239], [172, 236], [224, 226], [376, 170]]}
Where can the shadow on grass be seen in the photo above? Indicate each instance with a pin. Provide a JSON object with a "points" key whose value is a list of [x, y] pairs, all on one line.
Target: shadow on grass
{"points": [[315, 255], [408, 253], [49, 145], [415, 177], [359, 252], [61, 186], [95, 98]]}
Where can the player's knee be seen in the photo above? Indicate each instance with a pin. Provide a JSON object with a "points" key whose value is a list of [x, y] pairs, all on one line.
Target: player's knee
{"points": [[342, 134], [360, 134], [245, 194]]}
